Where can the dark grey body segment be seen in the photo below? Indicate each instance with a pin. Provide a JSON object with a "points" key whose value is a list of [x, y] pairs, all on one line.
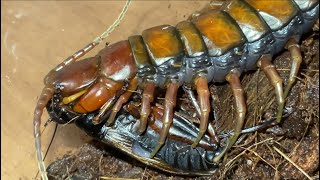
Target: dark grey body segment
{"points": [[309, 18], [180, 156], [175, 153], [243, 57], [254, 50], [175, 156]]}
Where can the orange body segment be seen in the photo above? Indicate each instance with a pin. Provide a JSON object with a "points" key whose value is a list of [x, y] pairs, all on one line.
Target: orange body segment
{"points": [[192, 40], [162, 41], [219, 32], [251, 24], [279, 10]]}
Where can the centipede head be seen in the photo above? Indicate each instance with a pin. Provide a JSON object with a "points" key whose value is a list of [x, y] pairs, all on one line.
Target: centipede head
{"points": [[84, 86], [64, 80]]}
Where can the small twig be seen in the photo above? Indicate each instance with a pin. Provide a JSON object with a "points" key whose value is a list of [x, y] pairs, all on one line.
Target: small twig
{"points": [[295, 165], [70, 121], [309, 80], [276, 173], [112, 178], [100, 163], [317, 129], [269, 139], [255, 153], [248, 142], [144, 172], [312, 70]]}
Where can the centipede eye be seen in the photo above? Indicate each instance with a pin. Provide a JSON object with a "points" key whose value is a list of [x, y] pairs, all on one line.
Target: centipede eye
{"points": [[58, 88]]}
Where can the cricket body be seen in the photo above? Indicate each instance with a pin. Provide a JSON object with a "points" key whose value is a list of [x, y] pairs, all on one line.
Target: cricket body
{"points": [[216, 46], [176, 157]]}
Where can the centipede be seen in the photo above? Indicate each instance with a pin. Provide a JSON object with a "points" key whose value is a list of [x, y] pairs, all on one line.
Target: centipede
{"points": [[218, 45]]}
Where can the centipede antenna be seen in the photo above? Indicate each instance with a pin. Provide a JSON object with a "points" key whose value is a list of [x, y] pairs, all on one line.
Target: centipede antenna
{"points": [[48, 148], [45, 126], [95, 42], [114, 25], [44, 98]]}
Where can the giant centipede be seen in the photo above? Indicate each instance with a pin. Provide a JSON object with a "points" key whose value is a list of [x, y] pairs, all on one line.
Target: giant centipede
{"points": [[215, 46]]}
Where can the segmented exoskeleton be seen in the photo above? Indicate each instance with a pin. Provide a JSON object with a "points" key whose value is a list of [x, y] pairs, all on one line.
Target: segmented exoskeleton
{"points": [[177, 156], [216, 46]]}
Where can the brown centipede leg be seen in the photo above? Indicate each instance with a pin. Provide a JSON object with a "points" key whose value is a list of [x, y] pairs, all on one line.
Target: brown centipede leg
{"points": [[240, 104], [241, 109], [169, 104], [203, 98], [123, 99], [147, 98], [296, 58], [268, 68], [212, 132]]}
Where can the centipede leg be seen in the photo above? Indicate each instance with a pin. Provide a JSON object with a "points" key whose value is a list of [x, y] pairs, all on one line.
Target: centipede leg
{"points": [[296, 58], [241, 110], [169, 104], [122, 99], [240, 105], [212, 132], [147, 98], [204, 103], [268, 68]]}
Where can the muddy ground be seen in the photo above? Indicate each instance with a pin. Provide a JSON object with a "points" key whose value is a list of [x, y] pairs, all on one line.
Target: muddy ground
{"points": [[256, 155]]}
